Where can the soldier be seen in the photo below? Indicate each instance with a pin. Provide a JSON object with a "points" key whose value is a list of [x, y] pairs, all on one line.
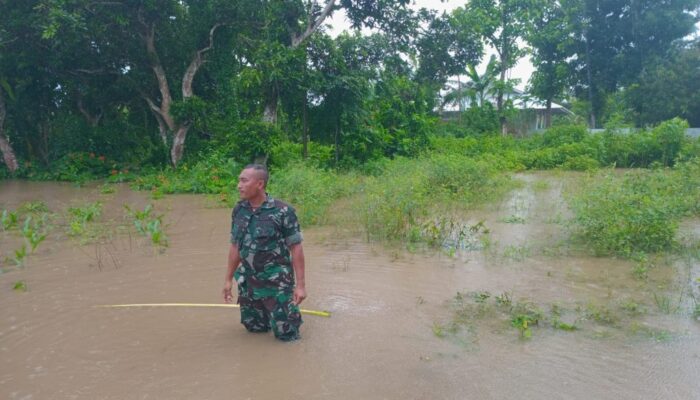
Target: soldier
{"points": [[267, 259]]}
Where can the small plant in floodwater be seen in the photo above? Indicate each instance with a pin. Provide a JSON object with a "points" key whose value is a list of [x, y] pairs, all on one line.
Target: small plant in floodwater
{"points": [[481, 297], [665, 304], [601, 314], [513, 219], [34, 232], [20, 286], [81, 216], [524, 316], [149, 225], [540, 185], [516, 253], [504, 300], [19, 256], [34, 207], [107, 189], [632, 308], [8, 219]]}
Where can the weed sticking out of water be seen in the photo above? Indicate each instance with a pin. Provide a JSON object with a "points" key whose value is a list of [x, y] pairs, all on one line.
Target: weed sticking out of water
{"points": [[474, 309], [80, 217], [34, 231], [8, 219], [20, 286], [516, 253], [665, 304], [512, 219], [540, 186], [19, 256], [601, 314], [524, 316], [633, 308], [149, 225], [107, 189], [33, 207]]}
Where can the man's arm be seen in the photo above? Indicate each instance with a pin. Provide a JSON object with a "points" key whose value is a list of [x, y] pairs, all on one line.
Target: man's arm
{"points": [[234, 259], [298, 265]]}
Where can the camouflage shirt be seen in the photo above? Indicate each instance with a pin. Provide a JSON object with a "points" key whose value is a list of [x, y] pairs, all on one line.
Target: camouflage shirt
{"points": [[263, 237]]}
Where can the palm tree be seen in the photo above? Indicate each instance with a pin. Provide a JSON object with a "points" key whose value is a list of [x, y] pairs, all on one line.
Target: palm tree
{"points": [[476, 89]]}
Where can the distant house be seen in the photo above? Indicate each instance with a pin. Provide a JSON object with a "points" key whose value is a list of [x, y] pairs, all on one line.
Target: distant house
{"points": [[532, 117]]}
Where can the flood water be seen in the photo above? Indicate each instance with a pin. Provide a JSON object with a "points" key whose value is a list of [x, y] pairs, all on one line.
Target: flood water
{"points": [[380, 342]]}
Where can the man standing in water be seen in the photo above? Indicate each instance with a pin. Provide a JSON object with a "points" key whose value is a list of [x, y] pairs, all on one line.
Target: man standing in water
{"points": [[267, 259]]}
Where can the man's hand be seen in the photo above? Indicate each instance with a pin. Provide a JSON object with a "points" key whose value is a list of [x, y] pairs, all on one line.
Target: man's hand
{"points": [[299, 295], [226, 292]]}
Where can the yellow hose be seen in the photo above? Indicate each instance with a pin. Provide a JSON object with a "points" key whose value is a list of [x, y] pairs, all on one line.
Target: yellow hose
{"points": [[303, 311]]}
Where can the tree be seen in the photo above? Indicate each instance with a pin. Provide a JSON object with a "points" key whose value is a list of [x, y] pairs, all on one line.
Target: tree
{"points": [[477, 87], [8, 153], [548, 36], [612, 41], [501, 23], [669, 88], [131, 37]]}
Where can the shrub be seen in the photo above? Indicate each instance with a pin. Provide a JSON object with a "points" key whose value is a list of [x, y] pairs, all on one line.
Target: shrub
{"points": [[413, 193], [310, 190], [638, 212]]}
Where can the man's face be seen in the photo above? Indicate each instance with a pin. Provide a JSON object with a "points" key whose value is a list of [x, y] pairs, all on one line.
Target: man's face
{"points": [[250, 184]]}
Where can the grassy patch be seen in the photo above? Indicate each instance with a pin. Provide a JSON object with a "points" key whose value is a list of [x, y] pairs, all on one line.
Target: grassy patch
{"points": [[421, 200], [637, 212]]}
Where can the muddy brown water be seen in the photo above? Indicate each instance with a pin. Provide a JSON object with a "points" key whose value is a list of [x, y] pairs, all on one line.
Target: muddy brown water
{"points": [[379, 343]]}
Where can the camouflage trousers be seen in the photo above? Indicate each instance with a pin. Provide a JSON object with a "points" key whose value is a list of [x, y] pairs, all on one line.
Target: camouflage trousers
{"points": [[274, 312]]}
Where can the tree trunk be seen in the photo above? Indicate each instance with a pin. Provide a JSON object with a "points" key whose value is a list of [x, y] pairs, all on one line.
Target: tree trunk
{"points": [[8, 154], [179, 143], [166, 122], [270, 113], [589, 77], [305, 129], [548, 114], [337, 142]]}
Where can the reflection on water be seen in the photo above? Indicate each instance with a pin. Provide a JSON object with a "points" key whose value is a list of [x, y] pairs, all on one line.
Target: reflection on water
{"points": [[380, 342]]}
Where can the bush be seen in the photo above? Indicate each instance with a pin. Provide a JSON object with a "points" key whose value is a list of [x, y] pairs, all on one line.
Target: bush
{"points": [[638, 212], [310, 190], [214, 174], [411, 193]]}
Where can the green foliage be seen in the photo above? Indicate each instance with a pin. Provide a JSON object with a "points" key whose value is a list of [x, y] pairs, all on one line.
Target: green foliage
{"points": [[214, 174], [149, 225], [410, 193], [8, 219], [310, 190], [80, 217], [20, 286], [34, 231], [636, 212], [287, 153]]}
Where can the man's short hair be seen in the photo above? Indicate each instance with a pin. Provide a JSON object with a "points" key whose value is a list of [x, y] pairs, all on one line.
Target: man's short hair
{"points": [[261, 171]]}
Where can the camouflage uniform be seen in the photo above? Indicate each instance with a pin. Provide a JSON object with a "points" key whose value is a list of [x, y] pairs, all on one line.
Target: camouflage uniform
{"points": [[265, 277]]}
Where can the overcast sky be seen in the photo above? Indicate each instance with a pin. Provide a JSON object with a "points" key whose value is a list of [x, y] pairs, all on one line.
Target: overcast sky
{"points": [[521, 71]]}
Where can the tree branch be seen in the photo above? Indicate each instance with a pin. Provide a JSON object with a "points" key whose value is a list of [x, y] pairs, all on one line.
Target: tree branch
{"points": [[313, 26], [196, 63]]}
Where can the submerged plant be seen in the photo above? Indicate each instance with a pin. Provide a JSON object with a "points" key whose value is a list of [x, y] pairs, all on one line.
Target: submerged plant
{"points": [[81, 216], [20, 286], [148, 224], [34, 232], [8, 219]]}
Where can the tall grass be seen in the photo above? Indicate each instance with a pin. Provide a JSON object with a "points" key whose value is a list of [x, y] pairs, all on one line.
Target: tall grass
{"points": [[411, 197], [311, 190], [638, 211]]}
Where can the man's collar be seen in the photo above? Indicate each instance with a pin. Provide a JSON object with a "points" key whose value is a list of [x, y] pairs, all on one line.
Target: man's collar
{"points": [[269, 202]]}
